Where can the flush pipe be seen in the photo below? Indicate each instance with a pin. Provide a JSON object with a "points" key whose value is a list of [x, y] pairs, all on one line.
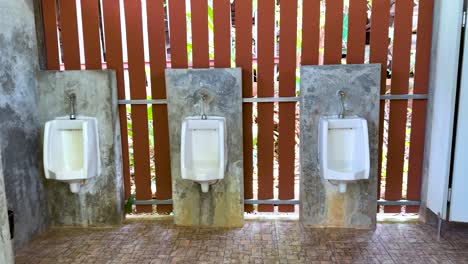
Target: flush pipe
{"points": [[203, 114], [72, 98], [341, 94]]}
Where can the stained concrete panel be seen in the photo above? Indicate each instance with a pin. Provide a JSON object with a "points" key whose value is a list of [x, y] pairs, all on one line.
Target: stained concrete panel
{"points": [[321, 203], [100, 201], [222, 206], [19, 124]]}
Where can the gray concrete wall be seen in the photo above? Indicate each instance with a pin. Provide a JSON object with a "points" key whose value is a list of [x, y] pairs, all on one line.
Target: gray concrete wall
{"points": [[223, 205], [19, 129], [6, 247], [321, 203], [100, 201]]}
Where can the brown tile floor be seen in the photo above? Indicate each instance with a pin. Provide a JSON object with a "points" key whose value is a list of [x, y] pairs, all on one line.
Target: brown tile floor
{"points": [[159, 241]]}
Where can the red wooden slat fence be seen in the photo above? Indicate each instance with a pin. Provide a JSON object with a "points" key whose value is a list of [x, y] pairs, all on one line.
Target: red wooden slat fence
{"points": [[310, 32], [49, 14], [69, 34], [243, 20], [333, 31], [178, 33], [91, 37], [113, 40], [222, 33], [137, 76], [287, 111], [356, 32], [62, 46], [157, 53], [265, 74], [398, 108], [418, 119], [200, 52], [380, 20]]}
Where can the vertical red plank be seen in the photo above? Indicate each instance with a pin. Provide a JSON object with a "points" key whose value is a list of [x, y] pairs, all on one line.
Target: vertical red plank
{"points": [[200, 55], [222, 33], [243, 15], [178, 33], [356, 31], [69, 32], [287, 111], [333, 31], [421, 82], [310, 32], [266, 30], [136, 68], [398, 108], [49, 18], [157, 53], [114, 60], [91, 37], [380, 19]]}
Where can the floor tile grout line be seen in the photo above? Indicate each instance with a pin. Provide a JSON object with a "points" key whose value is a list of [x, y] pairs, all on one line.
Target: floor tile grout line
{"points": [[276, 238], [379, 239]]}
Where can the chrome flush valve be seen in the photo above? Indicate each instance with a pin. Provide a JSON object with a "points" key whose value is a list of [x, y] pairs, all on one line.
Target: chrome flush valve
{"points": [[341, 95], [203, 114], [72, 98]]}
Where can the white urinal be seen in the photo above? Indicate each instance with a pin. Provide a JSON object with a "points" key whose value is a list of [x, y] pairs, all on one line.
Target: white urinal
{"points": [[71, 150], [203, 150], [344, 150]]}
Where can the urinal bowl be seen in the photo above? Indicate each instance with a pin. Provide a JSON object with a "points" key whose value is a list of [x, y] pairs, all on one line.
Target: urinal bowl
{"points": [[71, 150], [344, 150], [203, 150]]}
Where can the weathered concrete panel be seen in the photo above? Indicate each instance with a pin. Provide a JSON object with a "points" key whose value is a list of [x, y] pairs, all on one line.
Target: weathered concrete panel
{"points": [[223, 204], [6, 247], [321, 203], [101, 199], [19, 129]]}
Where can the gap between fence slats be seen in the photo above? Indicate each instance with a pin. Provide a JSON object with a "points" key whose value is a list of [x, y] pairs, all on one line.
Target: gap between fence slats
{"points": [[136, 62], [398, 108]]}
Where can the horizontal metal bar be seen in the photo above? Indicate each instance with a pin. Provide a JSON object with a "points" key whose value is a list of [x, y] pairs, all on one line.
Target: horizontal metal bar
{"points": [[403, 96], [249, 201], [168, 64], [399, 202], [280, 99], [271, 99], [152, 201], [142, 102], [271, 201]]}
